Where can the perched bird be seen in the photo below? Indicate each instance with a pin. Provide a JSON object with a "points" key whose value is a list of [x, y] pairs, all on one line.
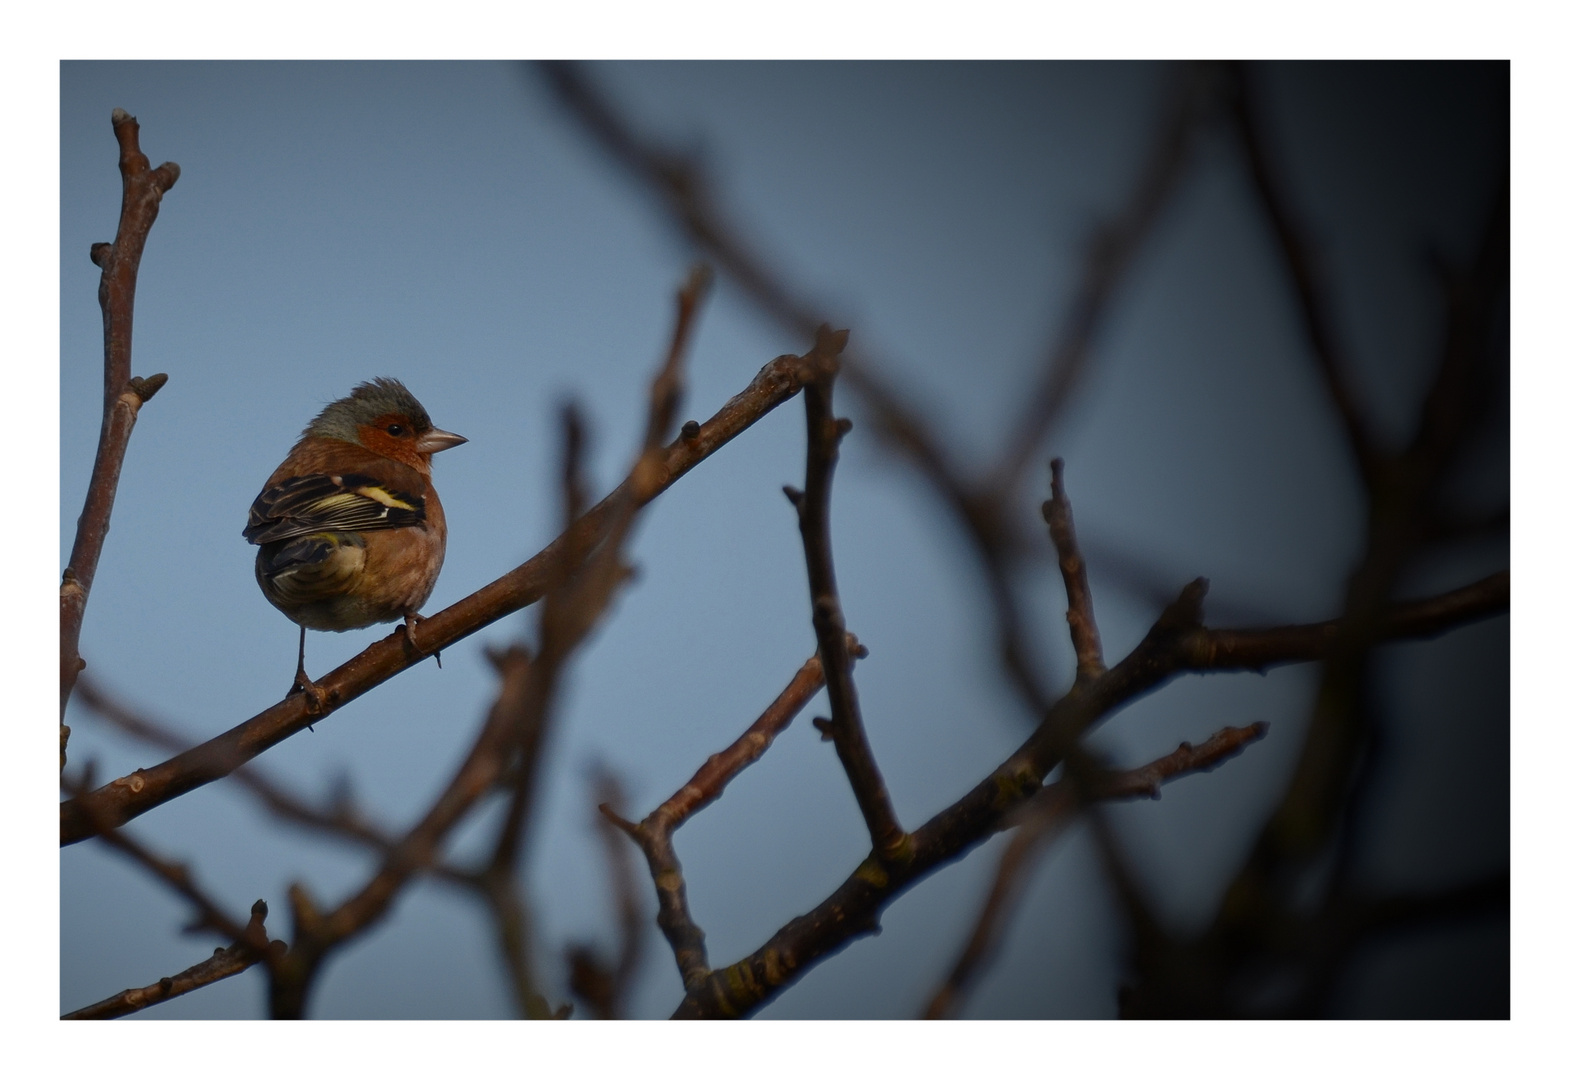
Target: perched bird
{"points": [[350, 528]]}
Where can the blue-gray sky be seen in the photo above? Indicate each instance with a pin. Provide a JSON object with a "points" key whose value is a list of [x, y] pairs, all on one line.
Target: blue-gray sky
{"points": [[445, 224]]}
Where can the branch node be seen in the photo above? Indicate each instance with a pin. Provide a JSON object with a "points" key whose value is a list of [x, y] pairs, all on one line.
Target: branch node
{"points": [[166, 175], [829, 344], [825, 727], [690, 430], [795, 495], [146, 388], [100, 253], [1187, 612], [633, 830], [307, 917]]}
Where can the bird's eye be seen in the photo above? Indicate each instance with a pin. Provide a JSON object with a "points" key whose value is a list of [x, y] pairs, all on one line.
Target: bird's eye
{"points": [[395, 429]]}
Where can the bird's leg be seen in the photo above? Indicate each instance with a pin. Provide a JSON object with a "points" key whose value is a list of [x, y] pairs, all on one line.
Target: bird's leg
{"points": [[410, 620], [316, 697]]}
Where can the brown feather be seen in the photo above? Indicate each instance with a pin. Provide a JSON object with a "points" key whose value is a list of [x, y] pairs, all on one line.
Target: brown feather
{"points": [[399, 566]]}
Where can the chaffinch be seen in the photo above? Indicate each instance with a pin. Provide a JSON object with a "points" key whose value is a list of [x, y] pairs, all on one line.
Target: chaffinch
{"points": [[350, 528]]}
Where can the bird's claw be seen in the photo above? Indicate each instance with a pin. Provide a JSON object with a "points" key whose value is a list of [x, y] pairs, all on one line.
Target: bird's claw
{"points": [[315, 697], [410, 621]]}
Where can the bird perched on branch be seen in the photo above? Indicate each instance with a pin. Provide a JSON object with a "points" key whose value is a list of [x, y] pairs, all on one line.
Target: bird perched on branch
{"points": [[350, 528]]}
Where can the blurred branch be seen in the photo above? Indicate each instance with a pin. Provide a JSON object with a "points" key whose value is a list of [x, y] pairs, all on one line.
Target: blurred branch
{"points": [[580, 587], [1112, 250], [568, 612], [1459, 527], [983, 509], [252, 949], [340, 817], [1177, 643], [824, 432], [1041, 820], [130, 796], [142, 189], [498, 879], [982, 506], [1140, 578], [1350, 921], [1303, 264], [604, 986], [1230, 968], [684, 191], [175, 876]]}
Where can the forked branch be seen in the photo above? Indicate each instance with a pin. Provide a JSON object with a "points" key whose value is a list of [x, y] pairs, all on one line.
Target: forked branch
{"points": [[1179, 643], [653, 834], [1042, 820]]}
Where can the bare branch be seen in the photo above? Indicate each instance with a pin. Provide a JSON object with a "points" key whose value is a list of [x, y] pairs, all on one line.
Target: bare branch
{"points": [[709, 782], [1178, 643], [684, 192], [653, 834], [1256, 650], [824, 432], [514, 732], [570, 609], [143, 189], [177, 877], [338, 817], [1333, 770], [1042, 820], [224, 962], [984, 510], [1076, 581], [133, 795]]}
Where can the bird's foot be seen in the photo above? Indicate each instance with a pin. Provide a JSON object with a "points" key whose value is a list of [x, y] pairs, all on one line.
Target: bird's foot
{"points": [[410, 621], [315, 696]]}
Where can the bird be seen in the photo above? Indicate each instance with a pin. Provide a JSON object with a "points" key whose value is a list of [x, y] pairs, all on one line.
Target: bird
{"points": [[349, 527]]}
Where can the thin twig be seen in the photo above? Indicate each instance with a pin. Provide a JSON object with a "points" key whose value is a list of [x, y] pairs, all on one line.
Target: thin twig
{"points": [[653, 834], [242, 955], [824, 432], [143, 189], [1076, 581]]}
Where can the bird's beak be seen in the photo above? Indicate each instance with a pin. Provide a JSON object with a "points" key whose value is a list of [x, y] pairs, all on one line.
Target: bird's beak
{"points": [[437, 440]]}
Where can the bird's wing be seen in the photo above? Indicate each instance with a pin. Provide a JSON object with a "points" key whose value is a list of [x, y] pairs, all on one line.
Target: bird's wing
{"points": [[323, 502]]}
